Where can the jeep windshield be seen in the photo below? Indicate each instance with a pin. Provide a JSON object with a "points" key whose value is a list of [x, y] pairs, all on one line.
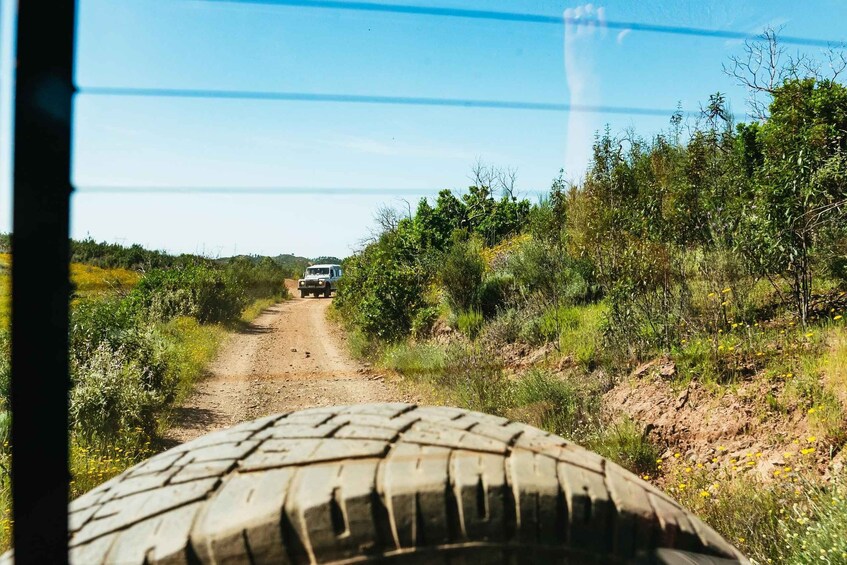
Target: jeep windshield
{"points": [[317, 271]]}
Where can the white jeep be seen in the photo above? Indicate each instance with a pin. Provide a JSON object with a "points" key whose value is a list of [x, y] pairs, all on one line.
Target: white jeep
{"points": [[320, 280]]}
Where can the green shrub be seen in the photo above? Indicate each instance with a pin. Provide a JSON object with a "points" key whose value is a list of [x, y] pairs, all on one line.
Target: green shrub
{"points": [[423, 322], [505, 328], [470, 323], [625, 444], [5, 430], [381, 290], [580, 332], [475, 376], [494, 291], [115, 324], [461, 274], [204, 293], [258, 278], [534, 330], [548, 270], [112, 395], [557, 405]]}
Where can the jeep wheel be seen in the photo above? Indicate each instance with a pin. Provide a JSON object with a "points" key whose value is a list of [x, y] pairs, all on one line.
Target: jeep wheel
{"points": [[385, 482], [303, 294], [328, 293]]}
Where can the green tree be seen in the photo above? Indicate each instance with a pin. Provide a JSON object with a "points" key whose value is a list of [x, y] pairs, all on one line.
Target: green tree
{"points": [[801, 193]]}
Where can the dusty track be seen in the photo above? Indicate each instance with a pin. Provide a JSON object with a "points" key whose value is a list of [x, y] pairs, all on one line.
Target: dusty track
{"points": [[289, 358]]}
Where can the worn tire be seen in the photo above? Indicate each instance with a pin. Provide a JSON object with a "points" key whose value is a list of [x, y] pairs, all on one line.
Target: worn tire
{"points": [[385, 482]]}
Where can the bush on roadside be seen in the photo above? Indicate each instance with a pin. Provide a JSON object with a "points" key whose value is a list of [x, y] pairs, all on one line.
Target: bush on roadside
{"points": [[415, 360], [494, 292], [115, 324], [475, 375], [256, 279], [557, 405], [112, 396], [204, 293], [381, 290], [423, 322], [504, 329], [462, 273]]}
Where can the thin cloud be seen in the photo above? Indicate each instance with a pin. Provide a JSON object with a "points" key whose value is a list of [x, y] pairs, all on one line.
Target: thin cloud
{"points": [[377, 147]]}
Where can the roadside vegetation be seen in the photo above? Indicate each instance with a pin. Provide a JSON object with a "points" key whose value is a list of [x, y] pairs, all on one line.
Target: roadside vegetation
{"points": [[705, 266], [144, 325]]}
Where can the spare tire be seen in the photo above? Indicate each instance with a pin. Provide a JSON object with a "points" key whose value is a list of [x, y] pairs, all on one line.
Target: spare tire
{"points": [[385, 482]]}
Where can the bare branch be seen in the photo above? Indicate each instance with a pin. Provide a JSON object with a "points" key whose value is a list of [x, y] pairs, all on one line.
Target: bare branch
{"points": [[387, 219], [760, 70], [837, 60], [765, 66], [506, 181]]}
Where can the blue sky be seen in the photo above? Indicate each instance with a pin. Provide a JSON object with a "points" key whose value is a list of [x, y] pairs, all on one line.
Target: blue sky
{"points": [[133, 142]]}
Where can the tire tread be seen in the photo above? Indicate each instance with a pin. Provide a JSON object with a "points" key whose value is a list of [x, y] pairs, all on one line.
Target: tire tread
{"points": [[382, 481]]}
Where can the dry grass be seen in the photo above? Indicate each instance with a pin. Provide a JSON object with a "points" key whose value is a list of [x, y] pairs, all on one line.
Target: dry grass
{"points": [[86, 279], [89, 280]]}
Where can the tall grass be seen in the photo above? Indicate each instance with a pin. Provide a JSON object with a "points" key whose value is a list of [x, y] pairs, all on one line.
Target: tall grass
{"points": [[795, 517]]}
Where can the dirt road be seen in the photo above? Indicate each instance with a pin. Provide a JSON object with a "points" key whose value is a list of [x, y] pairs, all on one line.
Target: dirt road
{"points": [[289, 358]]}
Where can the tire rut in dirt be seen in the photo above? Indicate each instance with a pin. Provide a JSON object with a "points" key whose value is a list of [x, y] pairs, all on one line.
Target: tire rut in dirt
{"points": [[385, 482]]}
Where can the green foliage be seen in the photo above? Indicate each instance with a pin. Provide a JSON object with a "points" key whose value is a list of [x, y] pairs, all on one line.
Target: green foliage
{"points": [[382, 288], [112, 255], [476, 378], [505, 328], [423, 322], [262, 277], [800, 185], [470, 323], [557, 405], [461, 274], [112, 393], [101, 326], [415, 360], [581, 333], [624, 443], [204, 293], [5, 430], [494, 293], [384, 285]]}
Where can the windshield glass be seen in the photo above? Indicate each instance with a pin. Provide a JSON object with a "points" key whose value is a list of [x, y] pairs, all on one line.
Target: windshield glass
{"points": [[317, 271]]}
